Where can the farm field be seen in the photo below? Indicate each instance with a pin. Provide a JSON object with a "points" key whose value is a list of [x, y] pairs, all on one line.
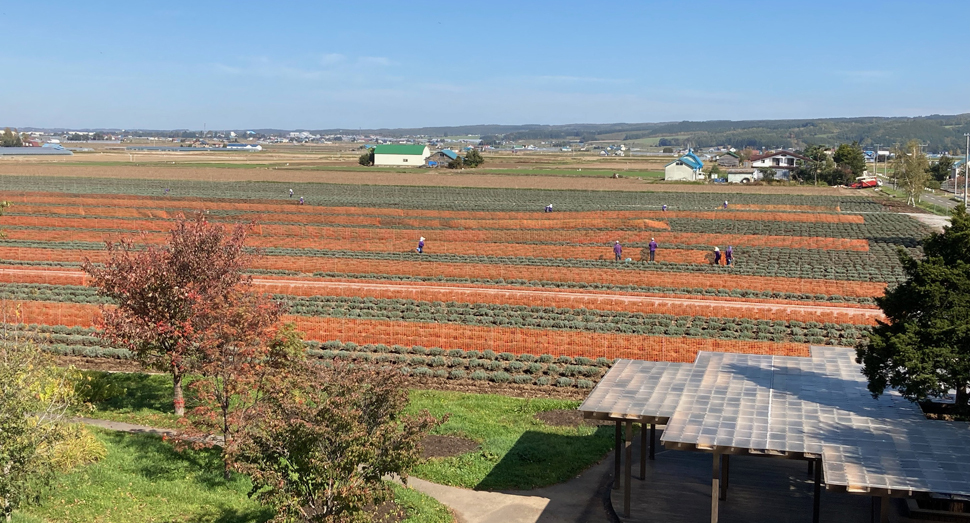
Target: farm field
{"points": [[503, 292]]}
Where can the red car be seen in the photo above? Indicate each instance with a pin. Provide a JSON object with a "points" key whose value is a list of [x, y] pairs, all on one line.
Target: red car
{"points": [[863, 182]]}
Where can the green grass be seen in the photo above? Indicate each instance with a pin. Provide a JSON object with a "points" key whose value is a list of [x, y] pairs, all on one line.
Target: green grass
{"points": [[142, 399], [421, 508], [887, 190], [144, 479], [516, 450]]}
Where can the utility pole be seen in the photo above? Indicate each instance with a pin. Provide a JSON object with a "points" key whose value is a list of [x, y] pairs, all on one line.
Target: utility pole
{"points": [[966, 170], [875, 159]]}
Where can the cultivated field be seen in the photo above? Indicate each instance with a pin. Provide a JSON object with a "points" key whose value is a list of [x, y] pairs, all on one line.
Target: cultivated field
{"points": [[503, 293]]}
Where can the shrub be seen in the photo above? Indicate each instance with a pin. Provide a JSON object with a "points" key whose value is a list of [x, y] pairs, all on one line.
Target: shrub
{"points": [[564, 382], [516, 365], [542, 380], [399, 349], [436, 361], [546, 358], [479, 375], [417, 349], [417, 360], [457, 374], [422, 372], [506, 356], [489, 354], [603, 362], [522, 379], [584, 384], [436, 351], [526, 358], [553, 369], [500, 377], [473, 354], [441, 373], [534, 368], [456, 353], [475, 363], [456, 362], [564, 360], [582, 360]]}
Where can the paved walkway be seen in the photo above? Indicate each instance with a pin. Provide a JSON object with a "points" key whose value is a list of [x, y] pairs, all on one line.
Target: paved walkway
{"points": [[582, 499]]}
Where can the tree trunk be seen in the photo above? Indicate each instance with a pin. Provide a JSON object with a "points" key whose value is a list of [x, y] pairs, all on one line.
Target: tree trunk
{"points": [[179, 399], [963, 399]]}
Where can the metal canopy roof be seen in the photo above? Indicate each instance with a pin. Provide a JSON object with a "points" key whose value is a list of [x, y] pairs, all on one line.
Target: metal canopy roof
{"points": [[793, 407]]}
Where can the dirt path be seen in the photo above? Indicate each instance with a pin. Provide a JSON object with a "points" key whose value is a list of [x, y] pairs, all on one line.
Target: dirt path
{"points": [[590, 300], [417, 178]]}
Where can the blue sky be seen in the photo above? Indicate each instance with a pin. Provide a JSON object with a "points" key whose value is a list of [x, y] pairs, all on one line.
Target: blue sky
{"points": [[321, 65]]}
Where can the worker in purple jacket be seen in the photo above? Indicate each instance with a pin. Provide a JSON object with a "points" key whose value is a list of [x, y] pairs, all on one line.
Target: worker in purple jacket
{"points": [[728, 255], [618, 250], [420, 248], [653, 248]]}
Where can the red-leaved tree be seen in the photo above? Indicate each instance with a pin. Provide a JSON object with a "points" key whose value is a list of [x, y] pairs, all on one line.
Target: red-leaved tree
{"points": [[169, 299], [325, 440], [245, 358]]}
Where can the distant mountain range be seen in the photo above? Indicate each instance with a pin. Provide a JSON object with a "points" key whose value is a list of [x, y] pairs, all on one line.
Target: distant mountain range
{"points": [[938, 132]]}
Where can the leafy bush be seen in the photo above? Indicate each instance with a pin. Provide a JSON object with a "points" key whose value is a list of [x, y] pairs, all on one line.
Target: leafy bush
{"points": [[564, 382]]}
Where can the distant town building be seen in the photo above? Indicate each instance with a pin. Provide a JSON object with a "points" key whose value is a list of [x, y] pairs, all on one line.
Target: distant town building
{"points": [[398, 155], [783, 162], [743, 175], [729, 160], [441, 158], [244, 146], [687, 168]]}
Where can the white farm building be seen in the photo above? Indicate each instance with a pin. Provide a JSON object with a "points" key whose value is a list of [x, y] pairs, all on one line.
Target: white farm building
{"points": [[687, 168], [401, 155]]}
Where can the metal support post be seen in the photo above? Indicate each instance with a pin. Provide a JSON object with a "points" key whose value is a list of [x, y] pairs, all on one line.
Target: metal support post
{"points": [[725, 475], [715, 485], [643, 451], [653, 439], [628, 473], [616, 459], [811, 467], [817, 505], [884, 510]]}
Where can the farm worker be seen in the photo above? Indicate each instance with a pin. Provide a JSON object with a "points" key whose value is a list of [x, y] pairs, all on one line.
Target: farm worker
{"points": [[549, 208], [653, 248], [725, 204], [420, 248], [166, 191], [301, 200], [664, 208], [291, 193], [717, 256], [728, 255], [618, 250]]}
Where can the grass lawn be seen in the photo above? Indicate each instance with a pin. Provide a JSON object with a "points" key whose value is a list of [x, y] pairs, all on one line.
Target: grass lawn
{"points": [[144, 479], [516, 450]]}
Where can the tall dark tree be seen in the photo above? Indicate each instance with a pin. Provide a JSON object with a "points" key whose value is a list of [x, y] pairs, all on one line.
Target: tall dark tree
{"points": [[923, 349], [849, 157], [10, 138], [943, 168]]}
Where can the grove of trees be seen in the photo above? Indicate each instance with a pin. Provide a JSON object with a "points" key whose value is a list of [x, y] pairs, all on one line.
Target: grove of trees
{"points": [[11, 138]]}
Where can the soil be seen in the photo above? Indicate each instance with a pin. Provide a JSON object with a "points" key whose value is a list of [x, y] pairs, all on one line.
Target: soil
{"points": [[417, 178], [435, 446], [942, 411], [566, 418]]}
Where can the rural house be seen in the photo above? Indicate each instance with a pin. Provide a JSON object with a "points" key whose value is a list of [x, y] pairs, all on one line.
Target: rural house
{"points": [[441, 158], [687, 168], [783, 162], [729, 160], [397, 155]]}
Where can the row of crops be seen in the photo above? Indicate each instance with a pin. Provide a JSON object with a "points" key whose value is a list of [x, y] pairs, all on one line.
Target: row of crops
{"points": [[830, 255]]}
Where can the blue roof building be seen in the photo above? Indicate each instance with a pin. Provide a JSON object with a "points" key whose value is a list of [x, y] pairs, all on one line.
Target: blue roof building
{"points": [[687, 168]]}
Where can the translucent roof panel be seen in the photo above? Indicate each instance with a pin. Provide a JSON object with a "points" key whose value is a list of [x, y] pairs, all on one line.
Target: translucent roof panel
{"points": [[818, 406], [634, 389]]}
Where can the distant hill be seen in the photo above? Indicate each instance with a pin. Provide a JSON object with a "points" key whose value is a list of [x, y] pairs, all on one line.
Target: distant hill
{"points": [[940, 132]]}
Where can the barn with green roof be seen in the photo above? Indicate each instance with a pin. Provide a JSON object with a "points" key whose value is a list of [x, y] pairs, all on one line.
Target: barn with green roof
{"points": [[401, 155]]}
